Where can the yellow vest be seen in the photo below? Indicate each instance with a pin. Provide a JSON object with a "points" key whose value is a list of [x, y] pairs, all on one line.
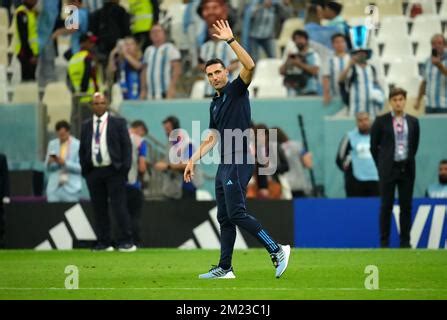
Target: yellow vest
{"points": [[33, 38], [76, 69], [142, 15]]}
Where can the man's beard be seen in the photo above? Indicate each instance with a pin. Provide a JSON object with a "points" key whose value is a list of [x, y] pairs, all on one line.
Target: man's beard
{"points": [[442, 179]]}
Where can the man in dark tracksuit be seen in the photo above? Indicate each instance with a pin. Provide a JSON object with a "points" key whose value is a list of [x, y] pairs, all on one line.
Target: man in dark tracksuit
{"points": [[230, 110]]}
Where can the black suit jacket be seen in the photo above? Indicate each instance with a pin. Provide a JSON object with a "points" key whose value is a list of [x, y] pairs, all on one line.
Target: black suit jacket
{"points": [[383, 143], [4, 177], [118, 144]]}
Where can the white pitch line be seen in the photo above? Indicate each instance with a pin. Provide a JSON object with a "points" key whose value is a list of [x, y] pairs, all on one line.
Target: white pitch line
{"points": [[228, 289]]}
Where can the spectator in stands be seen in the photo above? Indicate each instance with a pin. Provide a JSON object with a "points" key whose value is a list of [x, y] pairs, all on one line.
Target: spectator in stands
{"points": [[196, 30], [161, 67], [76, 33], [434, 84], [439, 190], [332, 12], [356, 162], [262, 29], [27, 39], [64, 169], [110, 23], [212, 49], [173, 185], [144, 14], [105, 165], [211, 11], [125, 65], [137, 131], [4, 195], [298, 160], [82, 70], [360, 89], [333, 67], [301, 65], [394, 144]]}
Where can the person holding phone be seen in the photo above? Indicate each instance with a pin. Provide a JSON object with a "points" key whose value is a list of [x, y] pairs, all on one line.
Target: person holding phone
{"points": [[434, 84]]}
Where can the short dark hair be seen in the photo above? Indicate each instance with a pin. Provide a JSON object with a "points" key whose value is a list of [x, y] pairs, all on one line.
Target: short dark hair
{"points": [[443, 161], [172, 120], [62, 124], [396, 91], [335, 6], [338, 35], [300, 33], [139, 124], [214, 61]]}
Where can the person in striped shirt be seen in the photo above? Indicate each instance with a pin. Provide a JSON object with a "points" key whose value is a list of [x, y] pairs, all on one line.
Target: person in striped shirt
{"points": [[434, 84], [162, 67], [212, 49], [360, 89], [333, 68]]}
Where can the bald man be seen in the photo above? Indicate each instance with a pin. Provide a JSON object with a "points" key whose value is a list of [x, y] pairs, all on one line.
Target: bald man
{"points": [[105, 154]]}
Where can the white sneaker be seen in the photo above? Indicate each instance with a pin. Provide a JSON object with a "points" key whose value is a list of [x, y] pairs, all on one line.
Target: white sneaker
{"points": [[218, 273], [281, 260], [127, 248]]}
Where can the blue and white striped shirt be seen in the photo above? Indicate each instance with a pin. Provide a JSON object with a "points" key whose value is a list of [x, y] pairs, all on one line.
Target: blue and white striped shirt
{"points": [[333, 67], [436, 85], [159, 71], [263, 24]]}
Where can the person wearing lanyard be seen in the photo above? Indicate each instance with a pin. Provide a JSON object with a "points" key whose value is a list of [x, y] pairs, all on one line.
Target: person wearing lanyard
{"points": [[106, 155], [394, 144], [64, 171]]}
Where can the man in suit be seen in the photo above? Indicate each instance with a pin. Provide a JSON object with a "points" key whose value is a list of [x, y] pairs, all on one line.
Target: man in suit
{"points": [[4, 194], [106, 156], [394, 143], [64, 170]]}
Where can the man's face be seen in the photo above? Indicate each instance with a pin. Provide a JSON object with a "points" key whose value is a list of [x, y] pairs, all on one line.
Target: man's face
{"points": [[63, 134], [168, 128], [363, 123], [139, 131], [339, 44], [398, 103], [213, 11], [99, 104], [217, 76], [158, 34], [328, 14], [438, 44], [443, 173], [301, 42]]}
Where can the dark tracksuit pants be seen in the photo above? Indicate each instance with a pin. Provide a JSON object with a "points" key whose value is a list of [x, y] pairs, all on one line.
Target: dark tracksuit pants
{"points": [[231, 187]]}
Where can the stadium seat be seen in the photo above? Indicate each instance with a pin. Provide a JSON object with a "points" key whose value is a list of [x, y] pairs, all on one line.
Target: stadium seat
{"points": [[397, 47], [166, 4], [3, 37], [428, 6], [402, 68], [57, 98], [3, 84], [203, 195], [443, 11], [198, 90], [424, 26], [3, 56], [175, 13], [288, 27], [389, 7], [26, 92], [392, 25], [4, 18], [267, 82], [353, 8], [423, 51]]}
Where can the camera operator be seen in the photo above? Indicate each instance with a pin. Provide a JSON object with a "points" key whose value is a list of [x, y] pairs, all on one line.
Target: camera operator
{"points": [[300, 68]]}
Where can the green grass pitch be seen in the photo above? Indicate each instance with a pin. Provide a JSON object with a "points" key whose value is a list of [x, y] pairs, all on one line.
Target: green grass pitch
{"points": [[172, 274]]}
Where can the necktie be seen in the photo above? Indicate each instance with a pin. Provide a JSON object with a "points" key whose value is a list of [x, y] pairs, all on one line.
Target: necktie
{"points": [[97, 141]]}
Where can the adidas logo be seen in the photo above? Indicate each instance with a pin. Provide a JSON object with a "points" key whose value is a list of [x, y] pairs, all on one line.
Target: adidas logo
{"points": [[229, 183]]}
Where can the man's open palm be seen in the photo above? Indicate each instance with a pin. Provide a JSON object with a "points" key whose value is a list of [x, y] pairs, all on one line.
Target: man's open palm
{"points": [[223, 30]]}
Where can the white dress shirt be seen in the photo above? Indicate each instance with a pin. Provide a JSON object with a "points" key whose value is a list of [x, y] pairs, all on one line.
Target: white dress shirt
{"points": [[106, 161]]}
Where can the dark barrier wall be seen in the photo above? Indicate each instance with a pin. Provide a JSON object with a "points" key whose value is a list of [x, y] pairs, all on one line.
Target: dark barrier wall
{"points": [[187, 224]]}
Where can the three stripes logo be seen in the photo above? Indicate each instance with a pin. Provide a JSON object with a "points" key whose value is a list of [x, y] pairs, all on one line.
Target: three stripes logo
{"points": [[207, 236], [61, 238], [435, 237]]}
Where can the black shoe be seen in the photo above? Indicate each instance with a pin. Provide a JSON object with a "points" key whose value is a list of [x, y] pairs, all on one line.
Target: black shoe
{"points": [[405, 246], [127, 247], [102, 247]]}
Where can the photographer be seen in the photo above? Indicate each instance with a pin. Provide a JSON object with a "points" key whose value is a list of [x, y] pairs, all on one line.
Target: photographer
{"points": [[435, 78], [300, 68], [125, 65]]}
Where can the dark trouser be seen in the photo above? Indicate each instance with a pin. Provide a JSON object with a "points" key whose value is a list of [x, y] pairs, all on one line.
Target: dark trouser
{"points": [[404, 180], [299, 194], [134, 206], [357, 188], [28, 69], [2, 224], [189, 194], [231, 187], [104, 184]]}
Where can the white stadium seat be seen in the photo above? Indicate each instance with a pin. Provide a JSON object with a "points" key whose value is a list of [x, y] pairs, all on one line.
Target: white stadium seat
{"points": [[391, 26], [198, 90], [57, 97], [428, 6], [26, 92], [397, 47], [424, 26], [423, 51], [402, 68]]}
